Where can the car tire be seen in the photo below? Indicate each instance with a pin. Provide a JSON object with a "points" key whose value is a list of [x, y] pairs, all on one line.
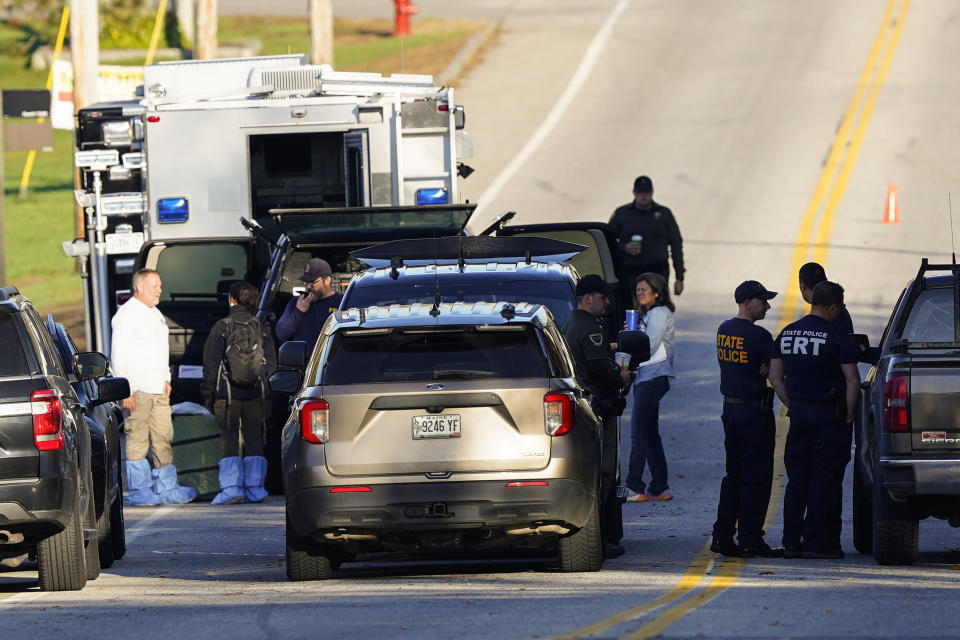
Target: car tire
{"points": [[105, 531], [862, 511], [118, 532], [305, 560], [896, 530], [60, 558], [91, 548], [582, 550]]}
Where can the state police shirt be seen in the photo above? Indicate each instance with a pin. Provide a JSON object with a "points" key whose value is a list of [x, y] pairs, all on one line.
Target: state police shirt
{"points": [[813, 350], [742, 347]]}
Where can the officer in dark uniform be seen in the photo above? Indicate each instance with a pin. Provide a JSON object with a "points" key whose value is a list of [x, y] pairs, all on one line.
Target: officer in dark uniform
{"points": [[810, 275], [813, 370], [648, 237], [749, 430], [597, 371]]}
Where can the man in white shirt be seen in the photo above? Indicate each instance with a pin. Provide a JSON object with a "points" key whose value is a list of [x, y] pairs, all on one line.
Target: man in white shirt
{"points": [[141, 354]]}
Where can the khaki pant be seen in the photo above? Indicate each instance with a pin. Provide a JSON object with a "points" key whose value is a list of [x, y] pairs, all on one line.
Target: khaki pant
{"points": [[150, 428]]}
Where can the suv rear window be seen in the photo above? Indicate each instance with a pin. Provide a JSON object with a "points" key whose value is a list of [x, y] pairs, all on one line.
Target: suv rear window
{"points": [[434, 353], [555, 295], [14, 361], [932, 318]]}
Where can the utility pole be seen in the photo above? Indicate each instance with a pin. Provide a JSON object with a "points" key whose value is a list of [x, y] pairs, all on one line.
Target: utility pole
{"points": [[321, 32], [84, 51], [3, 238], [186, 18], [205, 46], [85, 54]]}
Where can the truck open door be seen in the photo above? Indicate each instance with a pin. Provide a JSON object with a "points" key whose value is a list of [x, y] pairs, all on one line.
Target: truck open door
{"points": [[599, 257], [196, 276]]}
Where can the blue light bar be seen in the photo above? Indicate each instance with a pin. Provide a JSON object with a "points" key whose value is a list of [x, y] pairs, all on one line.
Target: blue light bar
{"points": [[173, 210], [431, 196]]}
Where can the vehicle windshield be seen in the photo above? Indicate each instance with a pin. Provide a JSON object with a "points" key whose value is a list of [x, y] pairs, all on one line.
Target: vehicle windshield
{"points": [[434, 353], [556, 295], [13, 362]]}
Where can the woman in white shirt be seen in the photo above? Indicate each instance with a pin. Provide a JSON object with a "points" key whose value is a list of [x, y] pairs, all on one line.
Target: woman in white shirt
{"points": [[652, 383]]}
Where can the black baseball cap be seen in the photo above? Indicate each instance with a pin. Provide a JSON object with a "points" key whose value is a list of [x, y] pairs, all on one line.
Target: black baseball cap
{"points": [[752, 289], [316, 268], [643, 184], [593, 284]]}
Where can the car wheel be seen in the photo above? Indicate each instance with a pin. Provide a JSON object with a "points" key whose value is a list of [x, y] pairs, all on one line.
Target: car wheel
{"points": [[60, 557], [118, 533], [862, 511], [896, 530], [305, 561], [583, 549], [91, 547], [105, 531]]}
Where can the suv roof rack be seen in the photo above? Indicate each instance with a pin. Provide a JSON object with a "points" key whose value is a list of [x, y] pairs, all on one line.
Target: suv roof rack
{"points": [[463, 249], [9, 292]]}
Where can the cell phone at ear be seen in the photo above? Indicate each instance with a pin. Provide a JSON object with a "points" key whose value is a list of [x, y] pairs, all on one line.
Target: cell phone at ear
{"points": [[299, 291]]}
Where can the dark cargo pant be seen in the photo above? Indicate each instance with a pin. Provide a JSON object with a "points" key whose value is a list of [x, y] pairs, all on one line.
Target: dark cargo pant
{"points": [[816, 457], [749, 438]]}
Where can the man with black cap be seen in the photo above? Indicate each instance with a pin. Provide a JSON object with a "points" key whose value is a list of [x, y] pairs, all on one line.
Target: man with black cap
{"points": [[645, 231], [597, 371], [304, 316], [814, 372], [749, 429]]}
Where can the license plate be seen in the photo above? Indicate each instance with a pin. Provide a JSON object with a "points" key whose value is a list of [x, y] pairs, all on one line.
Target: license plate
{"points": [[444, 425], [124, 242]]}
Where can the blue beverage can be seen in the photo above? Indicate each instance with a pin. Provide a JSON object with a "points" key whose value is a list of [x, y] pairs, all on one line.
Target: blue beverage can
{"points": [[632, 319]]}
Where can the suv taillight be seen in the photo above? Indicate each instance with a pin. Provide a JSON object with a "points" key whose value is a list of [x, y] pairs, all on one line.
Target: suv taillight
{"points": [[895, 403], [47, 420], [557, 413], [315, 421]]}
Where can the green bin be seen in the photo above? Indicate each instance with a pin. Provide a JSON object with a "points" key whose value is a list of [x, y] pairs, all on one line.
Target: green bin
{"points": [[196, 452]]}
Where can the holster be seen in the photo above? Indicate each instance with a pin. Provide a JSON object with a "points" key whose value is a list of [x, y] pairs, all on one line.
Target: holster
{"points": [[840, 406], [609, 406], [766, 401]]}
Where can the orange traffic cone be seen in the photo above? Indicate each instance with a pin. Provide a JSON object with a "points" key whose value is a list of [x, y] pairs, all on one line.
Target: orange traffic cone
{"points": [[890, 213]]}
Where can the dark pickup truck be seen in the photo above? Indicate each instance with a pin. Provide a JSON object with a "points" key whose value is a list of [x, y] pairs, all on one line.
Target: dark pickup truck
{"points": [[907, 463]]}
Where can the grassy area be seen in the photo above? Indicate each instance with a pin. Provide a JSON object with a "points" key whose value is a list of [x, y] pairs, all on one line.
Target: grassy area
{"points": [[37, 224]]}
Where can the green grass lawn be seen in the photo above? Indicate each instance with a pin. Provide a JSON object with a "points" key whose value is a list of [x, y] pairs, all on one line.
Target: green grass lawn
{"points": [[37, 224]]}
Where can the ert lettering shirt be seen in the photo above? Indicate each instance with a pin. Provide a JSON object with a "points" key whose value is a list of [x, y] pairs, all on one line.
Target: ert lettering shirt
{"points": [[813, 350], [742, 348]]}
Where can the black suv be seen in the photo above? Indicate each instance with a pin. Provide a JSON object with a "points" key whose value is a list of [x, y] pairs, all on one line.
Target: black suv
{"points": [[47, 504], [105, 420]]}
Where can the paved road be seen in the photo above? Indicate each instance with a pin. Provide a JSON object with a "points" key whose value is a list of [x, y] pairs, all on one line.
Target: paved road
{"points": [[766, 127]]}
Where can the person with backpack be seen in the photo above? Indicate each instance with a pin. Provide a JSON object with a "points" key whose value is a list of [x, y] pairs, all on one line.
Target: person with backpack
{"points": [[237, 358]]}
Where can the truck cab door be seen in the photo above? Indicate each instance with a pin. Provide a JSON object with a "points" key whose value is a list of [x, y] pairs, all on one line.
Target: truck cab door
{"points": [[196, 277], [599, 257]]}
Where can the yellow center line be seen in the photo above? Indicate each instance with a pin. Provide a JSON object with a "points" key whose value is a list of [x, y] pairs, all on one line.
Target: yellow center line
{"points": [[826, 224], [730, 569], [801, 250], [693, 576], [830, 187]]}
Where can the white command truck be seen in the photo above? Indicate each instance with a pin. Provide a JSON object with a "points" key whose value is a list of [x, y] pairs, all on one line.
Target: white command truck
{"points": [[214, 141]]}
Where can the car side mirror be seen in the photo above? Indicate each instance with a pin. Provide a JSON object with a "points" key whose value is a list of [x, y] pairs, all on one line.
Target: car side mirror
{"points": [[89, 365], [635, 343], [865, 353], [293, 354], [285, 380], [112, 390]]}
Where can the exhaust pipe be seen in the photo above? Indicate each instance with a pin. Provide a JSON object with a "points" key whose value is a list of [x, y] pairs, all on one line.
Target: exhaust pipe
{"points": [[542, 529], [7, 537], [351, 537]]}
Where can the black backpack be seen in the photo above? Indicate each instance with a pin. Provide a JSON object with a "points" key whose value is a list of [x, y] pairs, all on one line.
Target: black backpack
{"points": [[243, 355]]}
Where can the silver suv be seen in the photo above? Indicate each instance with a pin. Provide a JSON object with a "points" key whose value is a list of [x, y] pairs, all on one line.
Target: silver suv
{"points": [[427, 426]]}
